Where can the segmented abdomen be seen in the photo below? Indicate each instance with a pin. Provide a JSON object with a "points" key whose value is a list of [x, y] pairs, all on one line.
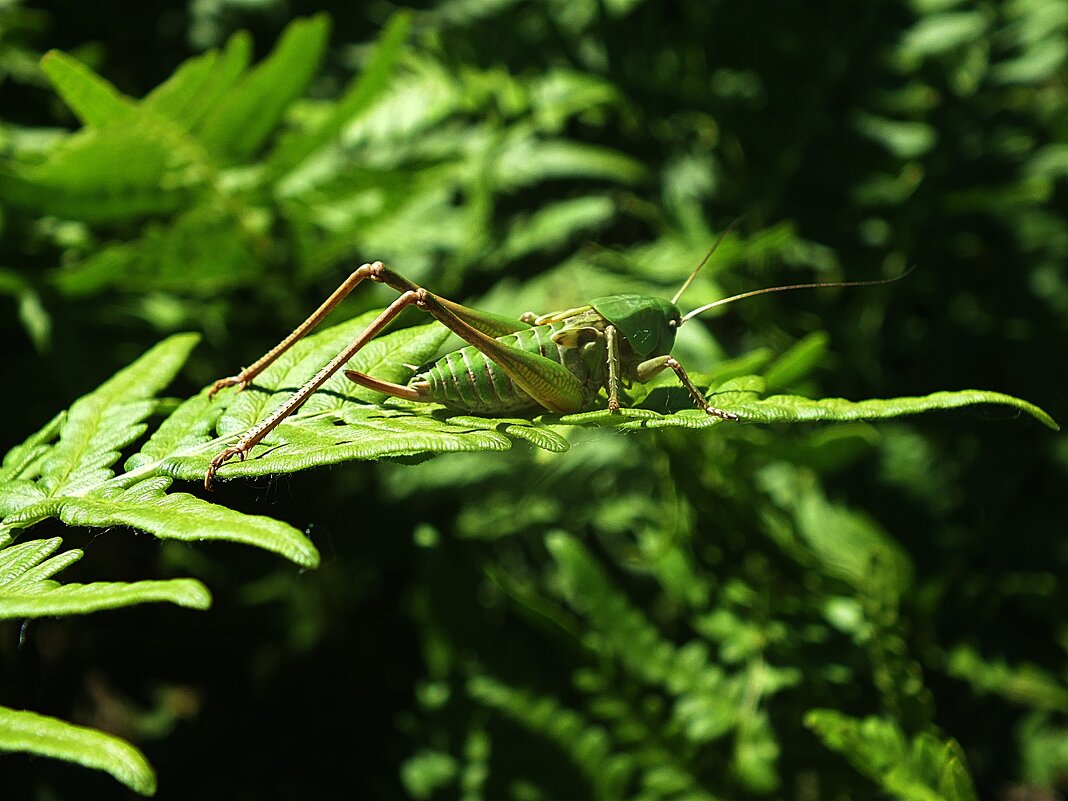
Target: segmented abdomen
{"points": [[468, 380]]}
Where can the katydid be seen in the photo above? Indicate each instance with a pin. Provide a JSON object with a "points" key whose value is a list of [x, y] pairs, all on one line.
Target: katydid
{"points": [[557, 362]]}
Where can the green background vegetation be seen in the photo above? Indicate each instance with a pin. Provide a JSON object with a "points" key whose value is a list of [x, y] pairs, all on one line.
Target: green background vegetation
{"points": [[848, 610]]}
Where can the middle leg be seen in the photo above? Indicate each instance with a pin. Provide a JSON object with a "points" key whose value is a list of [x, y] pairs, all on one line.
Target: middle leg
{"points": [[647, 369]]}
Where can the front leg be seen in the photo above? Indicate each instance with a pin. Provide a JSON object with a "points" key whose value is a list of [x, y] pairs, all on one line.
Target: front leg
{"points": [[648, 369]]}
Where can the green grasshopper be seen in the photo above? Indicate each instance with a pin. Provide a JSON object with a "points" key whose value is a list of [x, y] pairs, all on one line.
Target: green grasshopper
{"points": [[557, 362]]}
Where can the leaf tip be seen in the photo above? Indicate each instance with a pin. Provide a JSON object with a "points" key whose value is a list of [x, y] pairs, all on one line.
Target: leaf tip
{"points": [[307, 557], [51, 55], [193, 595]]}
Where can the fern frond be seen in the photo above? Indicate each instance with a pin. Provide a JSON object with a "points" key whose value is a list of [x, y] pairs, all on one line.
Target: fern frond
{"points": [[26, 590], [118, 172], [1025, 684], [741, 396], [28, 732], [611, 771], [706, 698], [921, 769], [246, 115], [91, 97], [41, 599], [365, 89], [198, 84], [109, 419], [845, 544], [586, 744], [73, 478]]}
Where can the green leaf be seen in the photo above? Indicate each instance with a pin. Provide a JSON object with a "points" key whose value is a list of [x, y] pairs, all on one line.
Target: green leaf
{"points": [[174, 516], [74, 480], [248, 113], [708, 702], [1023, 684], [106, 174], [587, 745], [23, 461], [923, 769], [524, 161], [29, 562], [27, 591], [93, 99], [847, 545], [202, 252], [35, 319], [939, 33], [788, 408], [904, 139], [552, 226], [740, 396], [426, 772], [364, 91], [82, 599], [28, 732], [196, 87], [798, 362], [110, 418]]}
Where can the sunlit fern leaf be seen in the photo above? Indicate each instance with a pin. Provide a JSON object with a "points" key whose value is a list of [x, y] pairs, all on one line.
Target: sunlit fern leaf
{"points": [[28, 591], [198, 84], [179, 516], [110, 418], [66, 469], [22, 460], [29, 562], [923, 768], [82, 599], [28, 732], [246, 115], [91, 97], [117, 172], [362, 93], [742, 396]]}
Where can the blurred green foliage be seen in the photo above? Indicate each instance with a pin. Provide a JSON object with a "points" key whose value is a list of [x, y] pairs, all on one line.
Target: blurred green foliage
{"points": [[846, 611]]}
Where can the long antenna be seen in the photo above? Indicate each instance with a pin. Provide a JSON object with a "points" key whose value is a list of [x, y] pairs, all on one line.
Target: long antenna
{"points": [[767, 290], [708, 255]]}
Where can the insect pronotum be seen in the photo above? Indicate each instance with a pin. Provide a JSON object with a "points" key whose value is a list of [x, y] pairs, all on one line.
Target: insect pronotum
{"points": [[557, 362]]}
